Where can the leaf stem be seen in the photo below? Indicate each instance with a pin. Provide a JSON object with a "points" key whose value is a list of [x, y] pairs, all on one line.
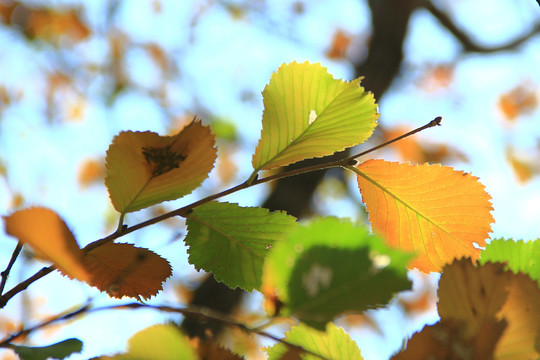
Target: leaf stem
{"points": [[184, 211]]}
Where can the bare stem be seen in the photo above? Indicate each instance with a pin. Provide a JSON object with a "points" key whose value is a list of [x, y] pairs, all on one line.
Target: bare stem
{"points": [[432, 123], [184, 211]]}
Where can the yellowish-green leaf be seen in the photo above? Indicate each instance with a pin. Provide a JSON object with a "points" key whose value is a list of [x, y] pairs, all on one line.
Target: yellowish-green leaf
{"points": [[145, 169], [334, 343], [519, 256], [49, 236], [157, 342], [308, 113]]}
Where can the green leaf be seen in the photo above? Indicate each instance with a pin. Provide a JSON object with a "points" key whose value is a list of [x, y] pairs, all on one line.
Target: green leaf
{"points": [[145, 169], [334, 343], [520, 256], [59, 350], [157, 342], [232, 241], [331, 267], [308, 113]]}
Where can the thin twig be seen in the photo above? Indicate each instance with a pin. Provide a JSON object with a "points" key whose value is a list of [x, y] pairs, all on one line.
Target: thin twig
{"points": [[207, 314], [24, 285], [184, 211], [21, 333], [435, 122], [5, 273]]}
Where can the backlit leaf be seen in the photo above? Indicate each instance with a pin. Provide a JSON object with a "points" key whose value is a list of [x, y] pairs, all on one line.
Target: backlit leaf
{"points": [[446, 341], [49, 236], [232, 241], [334, 343], [157, 342], [308, 113], [126, 270], [522, 312], [473, 296], [519, 256], [332, 267], [432, 210], [59, 350], [145, 169], [209, 349]]}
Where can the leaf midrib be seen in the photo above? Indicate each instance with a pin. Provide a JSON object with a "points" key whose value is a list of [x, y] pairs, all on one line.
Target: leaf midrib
{"points": [[227, 236], [297, 139], [397, 198]]}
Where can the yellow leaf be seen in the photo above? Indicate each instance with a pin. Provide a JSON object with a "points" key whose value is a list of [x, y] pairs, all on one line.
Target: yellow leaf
{"points": [[522, 312], [126, 270], [49, 236], [520, 100], [145, 169], [436, 212]]}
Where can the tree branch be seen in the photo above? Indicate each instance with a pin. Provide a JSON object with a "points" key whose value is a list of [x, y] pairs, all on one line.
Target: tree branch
{"points": [[184, 211], [5, 273], [194, 312], [465, 40]]}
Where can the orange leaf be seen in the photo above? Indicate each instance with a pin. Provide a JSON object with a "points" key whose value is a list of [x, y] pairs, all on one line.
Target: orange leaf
{"points": [[91, 171], [126, 270], [49, 236], [340, 45], [434, 211], [518, 101], [437, 77], [145, 169]]}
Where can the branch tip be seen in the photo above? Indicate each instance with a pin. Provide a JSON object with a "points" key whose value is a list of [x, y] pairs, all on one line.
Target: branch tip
{"points": [[436, 122]]}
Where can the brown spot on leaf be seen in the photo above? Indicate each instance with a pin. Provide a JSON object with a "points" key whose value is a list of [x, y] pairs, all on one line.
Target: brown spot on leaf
{"points": [[162, 160]]}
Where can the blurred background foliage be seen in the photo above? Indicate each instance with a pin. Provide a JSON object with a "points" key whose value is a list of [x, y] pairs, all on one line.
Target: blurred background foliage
{"points": [[75, 73]]}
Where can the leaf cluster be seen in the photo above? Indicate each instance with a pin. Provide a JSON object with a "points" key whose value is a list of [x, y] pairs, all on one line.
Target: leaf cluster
{"points": [[429, 217]]}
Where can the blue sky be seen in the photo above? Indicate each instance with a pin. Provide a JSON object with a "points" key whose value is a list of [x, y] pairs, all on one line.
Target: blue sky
{"points": [[220, 57]]}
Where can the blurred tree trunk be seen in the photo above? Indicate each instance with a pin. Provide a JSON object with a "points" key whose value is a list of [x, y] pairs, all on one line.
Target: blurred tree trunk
{"points": [[293, 195]]}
